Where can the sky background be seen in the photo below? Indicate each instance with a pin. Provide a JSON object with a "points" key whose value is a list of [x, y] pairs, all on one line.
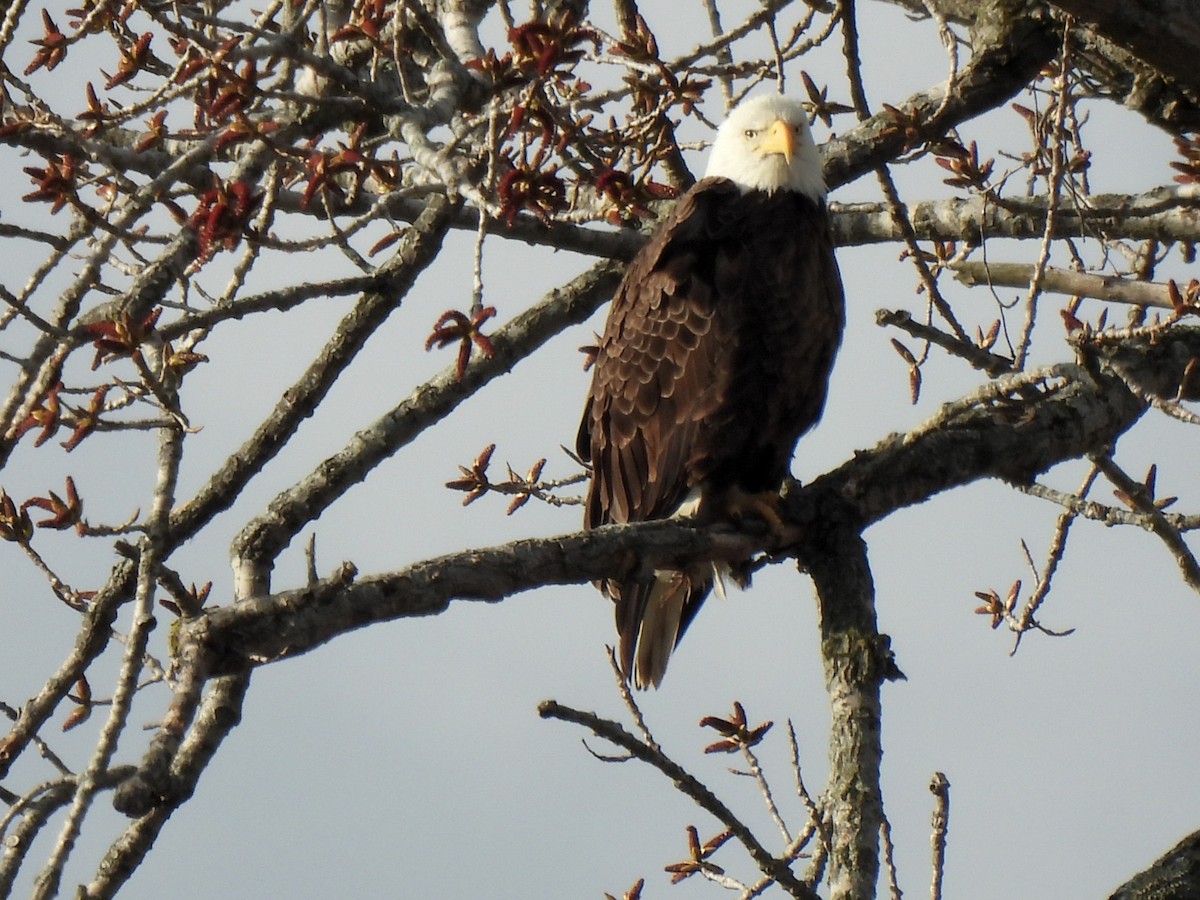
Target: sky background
{"points": [[408, 760]]}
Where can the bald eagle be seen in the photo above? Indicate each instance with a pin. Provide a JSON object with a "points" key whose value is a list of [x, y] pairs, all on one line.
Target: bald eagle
{"points": [[714, 361]]}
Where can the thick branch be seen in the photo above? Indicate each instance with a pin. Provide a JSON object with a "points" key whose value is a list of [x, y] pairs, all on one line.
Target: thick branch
{"points": [[418, 249], [1110, 71], [857, 661], [430, 403], [1116, 74], [1164, 33], [292, 622], [1012, 46], [167, 780], [1173, 876], [1004, 431], [1165, 214]]}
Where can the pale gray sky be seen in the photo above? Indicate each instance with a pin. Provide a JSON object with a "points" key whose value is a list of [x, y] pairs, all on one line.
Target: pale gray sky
{"points": [[408, 760]]}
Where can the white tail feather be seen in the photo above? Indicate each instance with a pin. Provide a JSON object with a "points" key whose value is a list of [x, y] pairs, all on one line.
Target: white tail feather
{"points": [[663, 614], [660, 628], [720, 572]]}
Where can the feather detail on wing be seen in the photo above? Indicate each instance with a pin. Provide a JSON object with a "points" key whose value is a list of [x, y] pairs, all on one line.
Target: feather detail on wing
{"points": [[663, 367]]}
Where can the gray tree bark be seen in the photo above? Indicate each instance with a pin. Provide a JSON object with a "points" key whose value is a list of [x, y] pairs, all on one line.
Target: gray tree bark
{"points": [[1173, 876], [1163, 33]]}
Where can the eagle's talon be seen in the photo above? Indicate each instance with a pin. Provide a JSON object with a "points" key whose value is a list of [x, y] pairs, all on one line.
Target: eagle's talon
{"points": [[761, 513]]}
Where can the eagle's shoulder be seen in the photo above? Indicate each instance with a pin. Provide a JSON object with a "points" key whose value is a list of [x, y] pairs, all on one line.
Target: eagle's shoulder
{"points": [[696, 218]]}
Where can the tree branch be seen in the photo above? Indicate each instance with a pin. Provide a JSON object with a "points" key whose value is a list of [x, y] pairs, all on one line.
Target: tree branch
{"points": [[418, 249], [777, 869], [1111, 71], [1065, 281], [1174, 876], [265, 536], [1001, 431], [1164, 33], [92, 640], [857, 660], [1166, 214], [1011, 48]]}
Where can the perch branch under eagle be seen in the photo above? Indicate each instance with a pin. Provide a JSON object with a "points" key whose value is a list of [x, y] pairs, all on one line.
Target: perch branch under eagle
{"points": [[714, 361]]}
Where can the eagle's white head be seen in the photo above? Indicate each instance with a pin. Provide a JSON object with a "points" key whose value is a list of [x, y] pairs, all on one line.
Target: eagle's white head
{"points": [[765, 144]]}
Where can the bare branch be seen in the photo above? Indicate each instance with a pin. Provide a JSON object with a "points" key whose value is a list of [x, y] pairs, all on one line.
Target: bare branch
{"points": [[427, 406], [1008, 52], [1054, 189], [1164, 33], [1159, 523], [1065, 281], [985, 360], [389, 287], [685, 782], [939, 786], [1076, 412]]}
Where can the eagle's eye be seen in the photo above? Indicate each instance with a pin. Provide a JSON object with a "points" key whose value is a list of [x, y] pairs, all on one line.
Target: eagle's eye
{"points": [[750, 133]]}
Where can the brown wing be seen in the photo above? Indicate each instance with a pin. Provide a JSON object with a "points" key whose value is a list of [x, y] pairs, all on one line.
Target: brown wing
{"points": [[662, 369]]}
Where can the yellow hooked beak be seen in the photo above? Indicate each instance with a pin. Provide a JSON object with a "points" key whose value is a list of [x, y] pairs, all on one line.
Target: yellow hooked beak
{"points": [[779, 139]]}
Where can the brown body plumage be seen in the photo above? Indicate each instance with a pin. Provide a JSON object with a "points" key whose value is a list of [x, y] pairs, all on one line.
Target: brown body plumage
{"points": [[715, 359]]}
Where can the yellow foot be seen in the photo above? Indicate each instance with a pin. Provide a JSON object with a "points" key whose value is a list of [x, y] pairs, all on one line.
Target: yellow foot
{"points": [[741, 508]]}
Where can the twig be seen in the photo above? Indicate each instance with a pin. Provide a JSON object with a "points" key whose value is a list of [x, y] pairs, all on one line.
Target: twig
{"points": [[425, 407], [63, 591], [1001, 388], [814, 813], [724, 39], [481, 231], [1108, 515], [1057, 170], [1159, 523], [688, 785], [170, 452], [1054, 555], [35, 810], [629, 701], [896, 207], [310, 559], [723, 54], [951, 44], [1065, 281], [43, 748], [779, 73], [940, 787], [89, 644], [964, 348], [765, 789], [889, 858], [900, 216], [416, 252]]}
